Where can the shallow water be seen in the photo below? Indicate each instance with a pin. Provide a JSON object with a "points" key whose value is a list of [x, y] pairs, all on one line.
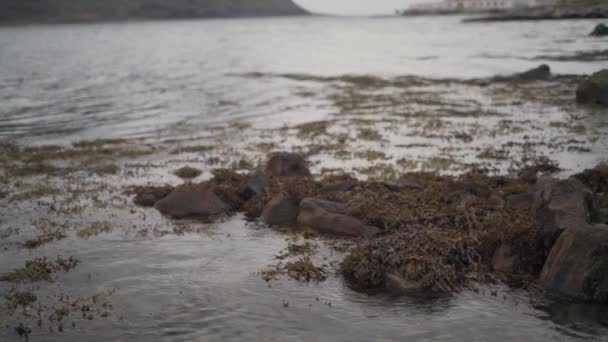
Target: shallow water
{"points": [[72, 82], [177, 79]]}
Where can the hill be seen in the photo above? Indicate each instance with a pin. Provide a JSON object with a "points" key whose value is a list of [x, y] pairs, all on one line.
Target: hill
{"points": [[46, 11]]}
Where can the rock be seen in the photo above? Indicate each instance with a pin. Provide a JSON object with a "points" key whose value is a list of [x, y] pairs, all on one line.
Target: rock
{"points": [[282, 210], [191, 203], [147, 197], [600, 30], [403, 184], [338, 187], [256, 185], [330, 218], [332, 207], [558, 204], [578, 263], [594, 90], [284, 164], [541, 72]]}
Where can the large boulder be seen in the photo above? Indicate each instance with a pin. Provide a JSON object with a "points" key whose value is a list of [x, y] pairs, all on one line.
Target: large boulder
{"points": [[578, 263], [183, 203], [282, 210], [283, 164], [599, 31], [558, 203], [331, 218], [594, 90]]}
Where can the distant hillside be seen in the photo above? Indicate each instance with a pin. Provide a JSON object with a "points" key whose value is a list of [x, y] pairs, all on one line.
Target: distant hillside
{"points": [[40, 11]]}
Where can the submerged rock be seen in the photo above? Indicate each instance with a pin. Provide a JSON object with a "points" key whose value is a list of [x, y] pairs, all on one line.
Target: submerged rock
{"points": [[599, 31], [147, 197], [542, 72], [191, 203], [283, 164], [594, 90], [282, 210], [330, 218], [578, 263]]}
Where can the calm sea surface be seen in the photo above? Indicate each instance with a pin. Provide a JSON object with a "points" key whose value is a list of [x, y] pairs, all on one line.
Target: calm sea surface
{"points": [[140, 79]]}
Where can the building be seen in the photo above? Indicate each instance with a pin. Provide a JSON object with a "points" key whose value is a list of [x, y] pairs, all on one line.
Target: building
{"points": [[479, 5]]}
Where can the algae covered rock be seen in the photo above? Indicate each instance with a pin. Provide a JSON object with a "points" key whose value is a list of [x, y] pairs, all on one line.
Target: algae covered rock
{"points": [[594, 90], [283, 164], [330, 218], [282, 210], [191, 203], [578, 263], [600, 30]]}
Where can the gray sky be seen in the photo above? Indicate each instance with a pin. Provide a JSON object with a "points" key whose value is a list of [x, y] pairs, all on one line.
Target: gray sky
{"points": [[356, 6]]}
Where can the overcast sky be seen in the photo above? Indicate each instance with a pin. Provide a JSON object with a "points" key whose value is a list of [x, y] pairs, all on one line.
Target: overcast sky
{"points": [[356, 6]]}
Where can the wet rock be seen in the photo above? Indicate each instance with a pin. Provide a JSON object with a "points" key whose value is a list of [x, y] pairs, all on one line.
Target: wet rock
{"points": [[558, 204], [403, 184], [284, 164], [338, 187], [578, 263], [147, 197], [330, 218], [600, 30], [256, 185], [282, 210], [542, 72], [594, 90], [191, 203]]}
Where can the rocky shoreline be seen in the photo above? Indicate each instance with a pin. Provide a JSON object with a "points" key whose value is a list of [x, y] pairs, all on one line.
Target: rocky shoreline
{"points": [[424, 231]]}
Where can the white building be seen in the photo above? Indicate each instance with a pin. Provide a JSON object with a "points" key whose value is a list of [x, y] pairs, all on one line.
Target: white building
{"points": [[480, 5]]}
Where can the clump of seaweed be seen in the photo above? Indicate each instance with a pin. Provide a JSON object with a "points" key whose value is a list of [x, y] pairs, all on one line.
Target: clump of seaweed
{"points": [[39, 269], [43, 239], [187, 172], [95, 229], [16, 298], [304, 269]]}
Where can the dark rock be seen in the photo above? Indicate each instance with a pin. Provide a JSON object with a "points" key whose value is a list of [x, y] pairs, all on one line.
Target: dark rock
{"points": [[558, 204], [541, 72], [339, 187], [256, 185], [282, 210], [284, 164], [403, 184], [332, 207], [191, 203], [599, 31], [594, 90], [147, 197], [328, 217], [578, 263]]}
